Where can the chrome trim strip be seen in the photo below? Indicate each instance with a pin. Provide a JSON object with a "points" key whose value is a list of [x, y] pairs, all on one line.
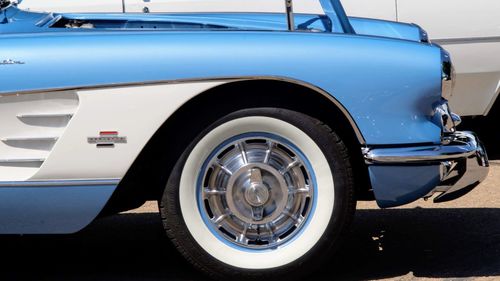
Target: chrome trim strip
{"points": [[59, 183], [463, 145], [208, 79], [26, 160], [43, 115], [10, 139], [469, 40], [146, 83], [428, 154]]}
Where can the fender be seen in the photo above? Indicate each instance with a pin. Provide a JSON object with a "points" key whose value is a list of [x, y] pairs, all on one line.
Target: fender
{"points": [[347, 67]]}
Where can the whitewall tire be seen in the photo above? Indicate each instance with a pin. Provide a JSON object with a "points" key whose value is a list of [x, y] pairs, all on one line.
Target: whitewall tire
{"points": [[259, 193]]}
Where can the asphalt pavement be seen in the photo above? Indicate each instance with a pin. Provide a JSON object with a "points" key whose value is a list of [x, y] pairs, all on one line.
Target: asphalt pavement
{"points": [[458, 240]]}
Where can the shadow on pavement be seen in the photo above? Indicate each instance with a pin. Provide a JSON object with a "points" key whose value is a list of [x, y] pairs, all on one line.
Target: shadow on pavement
{"points": [[433, 243], [383, 243], [482, 126]]}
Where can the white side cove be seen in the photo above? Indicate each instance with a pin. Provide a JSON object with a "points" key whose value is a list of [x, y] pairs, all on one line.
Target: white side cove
{"points": [[135, 112], [53, 180], [31, 126]]}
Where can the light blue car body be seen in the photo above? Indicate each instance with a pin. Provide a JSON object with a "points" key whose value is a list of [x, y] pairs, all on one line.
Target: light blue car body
{"points": [[385, 76], [333, 61]]}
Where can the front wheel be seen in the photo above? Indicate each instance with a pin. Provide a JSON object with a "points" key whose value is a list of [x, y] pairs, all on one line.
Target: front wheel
{"points": [[260, 193]]}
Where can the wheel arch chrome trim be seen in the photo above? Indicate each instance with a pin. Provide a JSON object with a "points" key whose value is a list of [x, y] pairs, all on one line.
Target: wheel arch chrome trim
{"points": [[227, 79]]}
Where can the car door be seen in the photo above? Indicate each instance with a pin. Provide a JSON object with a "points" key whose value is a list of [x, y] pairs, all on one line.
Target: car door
{"points": [[64, 6], [470, 30]]}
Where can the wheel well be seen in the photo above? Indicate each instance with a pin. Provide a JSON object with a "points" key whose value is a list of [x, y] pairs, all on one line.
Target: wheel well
{"points": [[148, 175]]}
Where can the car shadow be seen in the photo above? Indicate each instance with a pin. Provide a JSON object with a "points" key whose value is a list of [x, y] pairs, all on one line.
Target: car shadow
{"points": [[431, 243], [437, 243], [482, 126]]}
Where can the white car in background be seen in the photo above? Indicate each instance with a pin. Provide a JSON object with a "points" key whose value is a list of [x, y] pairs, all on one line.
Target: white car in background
{"points": [[469, 30]]}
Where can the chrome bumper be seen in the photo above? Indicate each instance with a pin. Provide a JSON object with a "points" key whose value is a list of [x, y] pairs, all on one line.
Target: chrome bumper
{"points": [[453, 170]]}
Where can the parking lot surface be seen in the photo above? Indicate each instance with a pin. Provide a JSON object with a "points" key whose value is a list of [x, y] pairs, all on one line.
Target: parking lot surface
{"points": [[458, 240]]}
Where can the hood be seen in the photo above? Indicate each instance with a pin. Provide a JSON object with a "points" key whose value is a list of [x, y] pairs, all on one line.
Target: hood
{"points": [[20, 21], [14, 20]]}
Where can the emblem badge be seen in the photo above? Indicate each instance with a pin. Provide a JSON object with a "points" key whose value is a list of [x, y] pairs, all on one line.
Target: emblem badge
{"points": [[9, 62], [107, 139]]}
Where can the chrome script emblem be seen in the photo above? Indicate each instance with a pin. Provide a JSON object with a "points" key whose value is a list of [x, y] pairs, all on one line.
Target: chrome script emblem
{"points": [[107, 139], [9, 62]]}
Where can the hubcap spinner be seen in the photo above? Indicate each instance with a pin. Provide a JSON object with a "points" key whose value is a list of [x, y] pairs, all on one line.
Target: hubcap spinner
{"points": [[256, 193]]}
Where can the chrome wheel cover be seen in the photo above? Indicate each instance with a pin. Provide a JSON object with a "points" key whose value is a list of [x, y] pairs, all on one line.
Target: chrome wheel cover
{"points": [[256, 191]]}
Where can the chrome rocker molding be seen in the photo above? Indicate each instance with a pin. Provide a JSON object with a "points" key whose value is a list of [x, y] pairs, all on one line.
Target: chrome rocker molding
{"points": [[454, 169], [344, 111]]}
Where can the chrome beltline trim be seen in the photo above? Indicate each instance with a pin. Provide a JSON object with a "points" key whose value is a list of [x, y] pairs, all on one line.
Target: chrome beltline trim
{"points": [[59, 183], [195, 80], [469, 40]]}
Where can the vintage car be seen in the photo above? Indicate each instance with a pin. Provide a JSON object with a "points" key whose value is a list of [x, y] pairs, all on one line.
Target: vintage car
{"points": [[255, 132], [472, 43]]}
